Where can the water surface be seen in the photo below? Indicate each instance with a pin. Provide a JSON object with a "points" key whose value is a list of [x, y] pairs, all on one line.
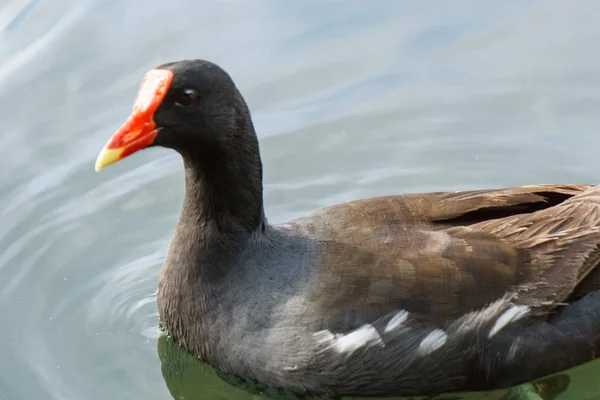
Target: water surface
{"points": [[350, 99]]}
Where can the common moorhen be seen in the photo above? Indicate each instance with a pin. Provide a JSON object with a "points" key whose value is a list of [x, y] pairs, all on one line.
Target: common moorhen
{"points": [[395, 295]]}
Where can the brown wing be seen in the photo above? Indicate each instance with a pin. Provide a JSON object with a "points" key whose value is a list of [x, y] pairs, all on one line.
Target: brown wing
{"points": [[563, 242], [441, 255]]}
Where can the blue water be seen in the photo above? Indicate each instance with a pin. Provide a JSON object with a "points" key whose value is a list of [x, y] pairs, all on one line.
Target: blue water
{"points": [[350, 99]]}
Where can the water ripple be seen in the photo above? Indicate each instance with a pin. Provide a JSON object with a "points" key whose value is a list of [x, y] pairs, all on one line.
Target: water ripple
{"points": [[348, 103]]}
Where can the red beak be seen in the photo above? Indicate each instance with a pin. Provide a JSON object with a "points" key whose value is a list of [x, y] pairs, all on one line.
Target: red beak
{"points": [[139, 131]]}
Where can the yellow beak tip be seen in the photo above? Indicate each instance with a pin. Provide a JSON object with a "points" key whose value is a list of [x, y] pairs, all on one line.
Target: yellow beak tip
{"points": [[106, 157]]}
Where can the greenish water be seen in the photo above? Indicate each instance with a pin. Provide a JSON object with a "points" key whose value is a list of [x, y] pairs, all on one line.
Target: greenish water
{"points": [[187, 378], [350, 99]]}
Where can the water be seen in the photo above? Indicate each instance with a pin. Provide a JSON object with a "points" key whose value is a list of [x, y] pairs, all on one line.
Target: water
{"points": [[350, 99]]}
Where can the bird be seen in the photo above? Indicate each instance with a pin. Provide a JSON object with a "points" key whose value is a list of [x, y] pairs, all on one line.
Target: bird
{"points": [[393, 295]]}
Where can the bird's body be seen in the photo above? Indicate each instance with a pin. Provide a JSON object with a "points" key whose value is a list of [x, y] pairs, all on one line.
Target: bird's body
{"points": [[396, 295]]}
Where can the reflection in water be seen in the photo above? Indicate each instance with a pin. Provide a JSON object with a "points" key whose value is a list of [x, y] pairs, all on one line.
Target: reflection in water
{"points": [[384, 96], [190, 379]]}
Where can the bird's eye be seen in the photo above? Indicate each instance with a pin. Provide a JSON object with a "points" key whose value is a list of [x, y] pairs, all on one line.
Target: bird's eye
{"points": [[187, 98]]}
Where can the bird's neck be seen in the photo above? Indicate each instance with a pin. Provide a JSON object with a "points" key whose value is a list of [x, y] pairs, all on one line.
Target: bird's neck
{"points": [[222, 210], [224, 191]]}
